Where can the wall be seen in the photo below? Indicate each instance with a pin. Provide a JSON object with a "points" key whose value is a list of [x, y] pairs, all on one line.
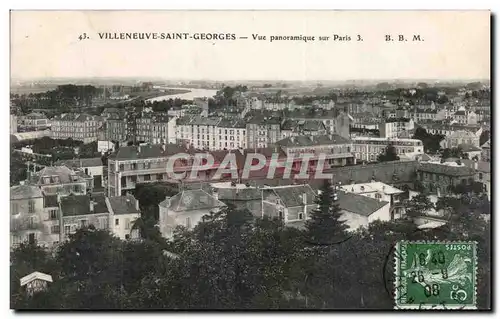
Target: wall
{"points": [[121, 229], [354, 221], [382, 214]]}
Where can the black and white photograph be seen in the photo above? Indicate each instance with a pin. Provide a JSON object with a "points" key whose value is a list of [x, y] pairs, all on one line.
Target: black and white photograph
{"points": [[250, 160]]}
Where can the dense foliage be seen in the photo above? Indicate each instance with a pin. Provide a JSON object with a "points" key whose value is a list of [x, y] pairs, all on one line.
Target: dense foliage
{"points": [[232, 261]]}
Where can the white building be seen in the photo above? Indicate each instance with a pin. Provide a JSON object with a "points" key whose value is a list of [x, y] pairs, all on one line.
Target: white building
{"points": [[378, 190], [123, 212], [369, 148]]}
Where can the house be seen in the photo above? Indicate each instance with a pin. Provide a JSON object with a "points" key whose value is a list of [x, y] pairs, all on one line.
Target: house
{"points": [[59, 180], [291, 202], [26, 214], [92, 167], [439, 178], [79, 211], [295, 203], [483, 173], [187, 209], [35, 282], [123, 212], [242, 196], [460, 137], [359, 211], [378, 190]]}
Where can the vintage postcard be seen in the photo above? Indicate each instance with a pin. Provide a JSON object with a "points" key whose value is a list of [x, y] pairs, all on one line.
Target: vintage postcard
{"points": [[239, 160]]}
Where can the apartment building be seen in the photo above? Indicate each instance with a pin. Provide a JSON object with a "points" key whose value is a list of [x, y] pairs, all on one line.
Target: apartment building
{"points": [[34, 121], [231, 134], [336, 149], [131, 165], [368, 148], [80, 127], [459, 137], [263, 131], [393, 128], [301, 127], [198, 132]]}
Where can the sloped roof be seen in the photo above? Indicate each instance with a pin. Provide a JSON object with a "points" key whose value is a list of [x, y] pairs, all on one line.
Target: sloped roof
{"points": [[25, 191], [75, 205], [146, 151], [438, 168], [192, 200], [291, 195], [123, 205], [62, 172], [359, 204], [486, 144], [35, 276], [83, 162]]}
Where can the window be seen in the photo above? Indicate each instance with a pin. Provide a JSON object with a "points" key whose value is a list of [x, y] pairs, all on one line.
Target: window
{"points": [[67, 229], [378, 196], [83, 223], [31, 207], [117, 222], [127, 223], [102, 222], [55, 229], [280, 214], [480, 176], [53, 213], [14, 207], [147, 177], [301, 216], [159, 177], [31, 238]]}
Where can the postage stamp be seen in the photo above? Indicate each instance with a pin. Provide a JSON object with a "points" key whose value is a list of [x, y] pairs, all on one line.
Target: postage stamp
{"points": [[435, 275]]}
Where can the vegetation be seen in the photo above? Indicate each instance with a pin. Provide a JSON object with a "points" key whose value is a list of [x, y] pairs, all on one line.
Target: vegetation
{"points": [[230, 261], [430, 141], [388, 155]]}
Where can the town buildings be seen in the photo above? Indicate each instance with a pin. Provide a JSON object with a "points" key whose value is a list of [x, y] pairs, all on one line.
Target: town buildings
{"points": [[123, 212], [263, 131], [440, 178], [337, 150], [186, 209], [131, 165], [394, 127], [33, 122], [80, 127], [459, 137], [369, 148]]}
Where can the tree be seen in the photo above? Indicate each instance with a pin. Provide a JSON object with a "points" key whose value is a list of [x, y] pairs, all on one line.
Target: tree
{"points": [[324, 226], [388, 155], [419, 205]]}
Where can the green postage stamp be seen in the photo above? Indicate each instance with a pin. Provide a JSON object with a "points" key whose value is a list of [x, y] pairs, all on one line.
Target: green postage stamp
{"points": [[435, 275]]}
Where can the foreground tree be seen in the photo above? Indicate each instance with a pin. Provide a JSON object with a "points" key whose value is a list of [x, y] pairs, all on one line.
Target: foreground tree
{"points": [[324, 226]]}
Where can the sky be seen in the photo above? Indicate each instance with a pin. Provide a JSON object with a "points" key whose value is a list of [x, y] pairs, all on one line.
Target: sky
{"points": [[456, 45]]}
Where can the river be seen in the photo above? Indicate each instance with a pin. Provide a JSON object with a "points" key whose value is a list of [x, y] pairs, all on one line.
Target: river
{"points": [[186, 96]]}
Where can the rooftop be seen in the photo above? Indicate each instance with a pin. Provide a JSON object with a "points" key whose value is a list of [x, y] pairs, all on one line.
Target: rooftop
{"points": [[195, 199], [82, 162], [146, 151], [312, 140], [438, 168], [76, 205], [122, 205], [358, 204], [24, 192], [371, 187], [292, 195]]}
